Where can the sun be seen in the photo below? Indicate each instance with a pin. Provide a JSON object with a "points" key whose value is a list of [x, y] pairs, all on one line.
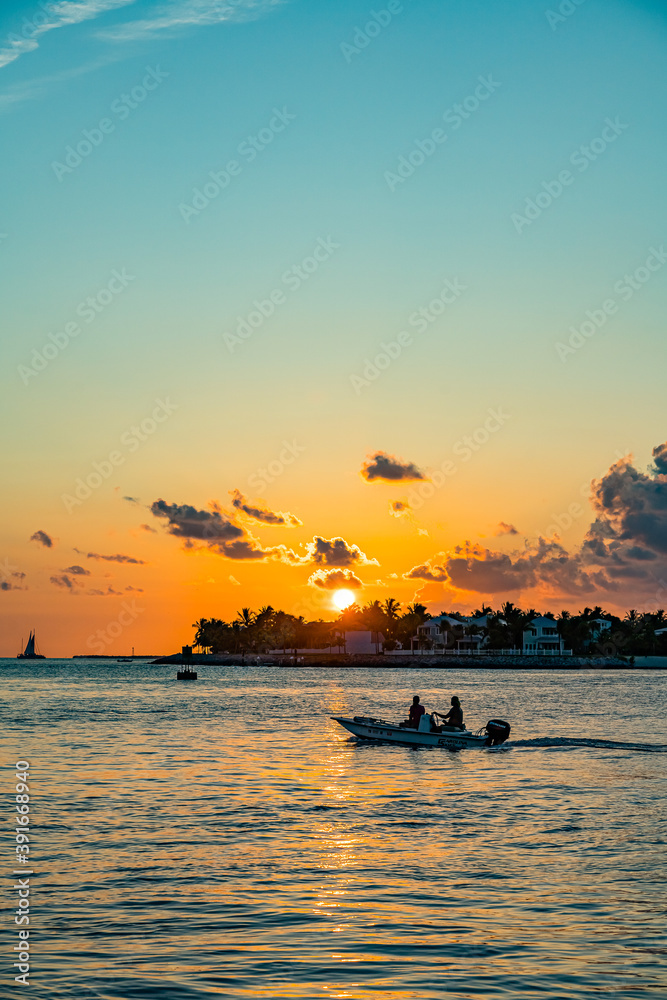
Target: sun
{"points": [[343, 598]]}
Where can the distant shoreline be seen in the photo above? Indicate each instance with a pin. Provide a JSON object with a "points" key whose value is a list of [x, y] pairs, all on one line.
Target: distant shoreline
{"points": [[350, 661], [108, 656]]}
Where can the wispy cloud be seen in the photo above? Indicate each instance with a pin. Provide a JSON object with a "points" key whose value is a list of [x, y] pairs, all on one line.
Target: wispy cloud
{"points": [[54, 15], [187, 14], [505, 529], [163, 17], [27, 90], [114, 558], [263, 514]]}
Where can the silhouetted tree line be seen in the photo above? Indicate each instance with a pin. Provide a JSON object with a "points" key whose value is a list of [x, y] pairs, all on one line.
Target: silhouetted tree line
{"points": [[267, 628], [634, 635]]}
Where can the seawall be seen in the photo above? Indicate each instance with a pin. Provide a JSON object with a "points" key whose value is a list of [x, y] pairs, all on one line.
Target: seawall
{"points": [[423, 662]]}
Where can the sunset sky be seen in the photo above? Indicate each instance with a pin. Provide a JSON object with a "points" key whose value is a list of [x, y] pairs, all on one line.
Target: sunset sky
{"points": [[303, 295]]}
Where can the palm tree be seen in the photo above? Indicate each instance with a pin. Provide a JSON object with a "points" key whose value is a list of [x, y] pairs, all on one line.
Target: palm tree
{"points": [[484, 610], [391, 607], [418, 609], [375, 619], [245, 617], [201, 625]]}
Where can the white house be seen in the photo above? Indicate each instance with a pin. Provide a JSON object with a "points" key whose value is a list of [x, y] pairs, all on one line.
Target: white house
{"points": [[597, 626], [541, 636], [363, 642], [347, 642], [463, 635]]}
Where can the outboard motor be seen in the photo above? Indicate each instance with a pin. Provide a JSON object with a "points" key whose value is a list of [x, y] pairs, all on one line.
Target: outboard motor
{"points": [[498, 731]]}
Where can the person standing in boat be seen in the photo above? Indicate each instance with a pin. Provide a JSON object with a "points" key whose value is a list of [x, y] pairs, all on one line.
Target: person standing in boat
{"points": [[455, 715], [416, 712]]}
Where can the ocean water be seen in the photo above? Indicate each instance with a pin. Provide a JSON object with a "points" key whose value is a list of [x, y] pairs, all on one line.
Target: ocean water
{"points": [[224, 838]]}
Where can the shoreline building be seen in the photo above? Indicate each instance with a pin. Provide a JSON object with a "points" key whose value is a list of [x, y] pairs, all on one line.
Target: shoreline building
{"points": [[541, 636]]}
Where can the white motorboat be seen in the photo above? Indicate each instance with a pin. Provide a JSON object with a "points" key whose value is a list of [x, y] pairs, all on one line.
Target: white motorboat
{"points": [[429, 734]]}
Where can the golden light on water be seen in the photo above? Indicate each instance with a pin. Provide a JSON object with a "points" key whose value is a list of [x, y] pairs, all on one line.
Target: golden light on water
{"points": [[343, 598]]}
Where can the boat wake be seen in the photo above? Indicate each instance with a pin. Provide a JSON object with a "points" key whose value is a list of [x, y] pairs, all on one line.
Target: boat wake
{"points": [[566, 743]]}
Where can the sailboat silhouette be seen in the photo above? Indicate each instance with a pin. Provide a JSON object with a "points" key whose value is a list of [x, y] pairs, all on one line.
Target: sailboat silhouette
{"points": [[29, 651]]}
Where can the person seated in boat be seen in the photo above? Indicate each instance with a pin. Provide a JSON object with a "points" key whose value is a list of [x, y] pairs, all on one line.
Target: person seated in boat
{"points": [[455, 715], [416, 712], [453, 719]]}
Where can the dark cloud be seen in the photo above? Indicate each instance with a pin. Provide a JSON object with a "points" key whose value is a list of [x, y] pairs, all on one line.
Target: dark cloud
{"points": [[626, 543], [627, 572], [132, 500], [388, 469], [489, 572], [65, 582], [332, 579], [77, 571], [427, 571], [244, 548], [637, 552], [220, 534], [115, 558], [8, 584], [336, 552], [505, 529], [217, 532], [43, 539], [186, 521], [147, 527], [631, 506], [475, 568], [263, 514], [660, 458]]}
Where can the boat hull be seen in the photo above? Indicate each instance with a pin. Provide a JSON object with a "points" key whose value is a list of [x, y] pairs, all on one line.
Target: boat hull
{"points": [[378, 731]]}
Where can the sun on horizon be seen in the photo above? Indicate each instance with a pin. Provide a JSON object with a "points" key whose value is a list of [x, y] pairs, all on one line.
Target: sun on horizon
{"points": [[343, 599]]}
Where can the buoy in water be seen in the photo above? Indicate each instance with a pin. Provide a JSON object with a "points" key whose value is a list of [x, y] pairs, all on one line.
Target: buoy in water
{"points": [[186, 675]]}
